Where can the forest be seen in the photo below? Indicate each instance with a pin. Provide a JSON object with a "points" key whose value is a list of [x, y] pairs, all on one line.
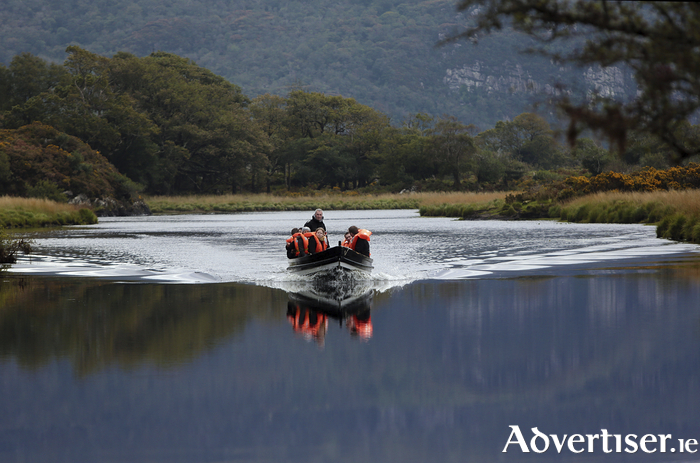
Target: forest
{"points": [[382, 53], [169, 126]]}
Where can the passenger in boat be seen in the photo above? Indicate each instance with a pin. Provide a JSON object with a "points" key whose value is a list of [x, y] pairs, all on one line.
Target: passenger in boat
{"points": [[360, 240], [316, 221], [317, 241], [348, 239], [297, 244]]}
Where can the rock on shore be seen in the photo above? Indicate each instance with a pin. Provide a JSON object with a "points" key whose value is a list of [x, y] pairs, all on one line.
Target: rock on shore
{"points": [[110, 207]]}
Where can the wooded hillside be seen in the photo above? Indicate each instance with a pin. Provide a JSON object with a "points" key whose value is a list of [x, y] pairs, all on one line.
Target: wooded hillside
{"points": [[381, 53], [174, 127]]}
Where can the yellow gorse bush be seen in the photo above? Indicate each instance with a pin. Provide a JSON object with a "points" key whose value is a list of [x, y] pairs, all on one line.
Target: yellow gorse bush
{"points": [[649, 179]]}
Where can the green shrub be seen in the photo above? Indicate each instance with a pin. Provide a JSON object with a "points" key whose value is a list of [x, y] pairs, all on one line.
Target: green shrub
{"points": [[663, 226], [597, 214], [508, 210], [581, 214], [87, 217], [695, 234], [639, 214], [9, 247], [675, 229], [468, 212], [48, 190]]}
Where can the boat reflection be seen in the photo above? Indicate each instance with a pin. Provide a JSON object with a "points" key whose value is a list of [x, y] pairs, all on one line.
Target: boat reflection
{"points": [[309, 312]]}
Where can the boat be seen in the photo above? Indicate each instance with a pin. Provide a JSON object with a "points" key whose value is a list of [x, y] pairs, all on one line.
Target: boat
{"points": [[337, 257]]}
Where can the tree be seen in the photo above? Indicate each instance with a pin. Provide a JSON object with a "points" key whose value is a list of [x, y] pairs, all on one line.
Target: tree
{"points": [[26, 77], [207, 140], [527, 138], [659, 41], [269, 112], [363, 131], [453, 146], [592, 157]]}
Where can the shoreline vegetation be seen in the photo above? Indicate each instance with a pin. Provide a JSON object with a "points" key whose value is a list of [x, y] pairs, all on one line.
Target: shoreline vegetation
{"points": [[309, 202], [676, 214], [40, 212]]}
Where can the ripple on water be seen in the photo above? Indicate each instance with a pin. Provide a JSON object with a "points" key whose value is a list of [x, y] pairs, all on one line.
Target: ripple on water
{"points": [[249, 248]]}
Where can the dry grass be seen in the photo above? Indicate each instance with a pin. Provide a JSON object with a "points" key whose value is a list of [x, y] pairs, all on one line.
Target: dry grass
{"points": [[219, 199], [684, 201], [434, 199], [33, 213], [427, 199], [45, 206]]}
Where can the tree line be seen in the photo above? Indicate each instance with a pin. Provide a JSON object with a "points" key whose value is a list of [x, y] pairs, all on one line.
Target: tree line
{"points": [[380, 52], [174, 127]]}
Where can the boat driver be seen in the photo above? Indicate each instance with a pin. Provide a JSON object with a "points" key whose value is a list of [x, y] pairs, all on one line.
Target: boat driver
{"points": [[316, 221]]}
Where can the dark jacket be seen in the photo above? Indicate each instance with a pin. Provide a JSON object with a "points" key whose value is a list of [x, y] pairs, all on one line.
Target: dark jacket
{"points": [[313, 224], [297, 246], [362, 246]]}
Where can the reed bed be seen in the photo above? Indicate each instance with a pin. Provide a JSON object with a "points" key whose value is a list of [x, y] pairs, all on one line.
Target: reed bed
{"points": [[676, 213], [683, 201], [339, 201], [35, 213], [462, 205]]}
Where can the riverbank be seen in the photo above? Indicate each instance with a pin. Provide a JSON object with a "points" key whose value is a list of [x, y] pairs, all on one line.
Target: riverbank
{"points": [[329, 201], [37, 213], [676, 213]]}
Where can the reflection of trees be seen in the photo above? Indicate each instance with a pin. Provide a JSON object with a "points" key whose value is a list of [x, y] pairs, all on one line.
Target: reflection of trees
{"points": [[100, 323], [574, 345]]}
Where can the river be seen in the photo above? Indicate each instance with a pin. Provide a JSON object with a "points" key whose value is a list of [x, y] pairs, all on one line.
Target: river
{"points": [[184, 339]]}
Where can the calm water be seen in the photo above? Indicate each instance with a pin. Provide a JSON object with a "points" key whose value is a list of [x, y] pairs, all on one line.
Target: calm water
{"points": [[183, 339]]}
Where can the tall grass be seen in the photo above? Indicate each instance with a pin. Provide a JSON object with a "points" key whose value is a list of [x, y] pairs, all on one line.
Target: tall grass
{"points": [[337, 201], [683, 201], [463, 205], [35, 212], [676, 213]]}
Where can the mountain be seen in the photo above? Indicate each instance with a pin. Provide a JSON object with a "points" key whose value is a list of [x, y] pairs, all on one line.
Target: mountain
{"points": [[383, 53]]}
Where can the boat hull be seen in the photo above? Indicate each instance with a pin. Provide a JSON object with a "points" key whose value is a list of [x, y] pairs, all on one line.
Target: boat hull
{"points": [[337, 257]]}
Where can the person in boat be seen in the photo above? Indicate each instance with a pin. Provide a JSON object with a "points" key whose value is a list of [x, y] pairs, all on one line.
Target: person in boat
{"points": [[316, 221], [360, 240], [347, 239], [297, 244], [318, 241]]}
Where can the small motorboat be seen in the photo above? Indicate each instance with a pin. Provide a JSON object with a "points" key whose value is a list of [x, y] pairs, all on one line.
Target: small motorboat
{"points": [[337, 257]]}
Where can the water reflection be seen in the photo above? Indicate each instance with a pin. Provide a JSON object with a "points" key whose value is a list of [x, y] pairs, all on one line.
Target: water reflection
{"points": [[310, 312], [98, 371], [94, 323]]}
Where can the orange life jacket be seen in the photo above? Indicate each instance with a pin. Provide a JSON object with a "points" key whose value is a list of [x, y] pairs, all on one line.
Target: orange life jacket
{"points": [[361, 233], [320, 245], [296, 243], [346, 243]]}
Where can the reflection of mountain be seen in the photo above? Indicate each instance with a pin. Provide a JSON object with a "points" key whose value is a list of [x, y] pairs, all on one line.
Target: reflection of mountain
{"points": [[453, 365], [96, 323], [309, 312]]}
